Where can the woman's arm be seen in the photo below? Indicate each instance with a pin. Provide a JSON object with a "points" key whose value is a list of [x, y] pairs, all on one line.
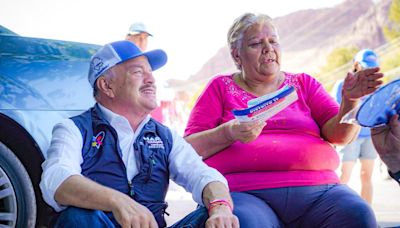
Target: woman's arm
{"points": [[209, 142], [354, 88], [341, 133]]}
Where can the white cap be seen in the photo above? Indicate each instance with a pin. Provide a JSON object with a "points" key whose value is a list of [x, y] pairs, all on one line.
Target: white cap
{"points": [[120, 51], [137, 28]]}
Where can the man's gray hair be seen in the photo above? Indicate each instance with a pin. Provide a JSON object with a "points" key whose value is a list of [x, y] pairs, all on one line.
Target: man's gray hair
{"points": [[107, 74]]}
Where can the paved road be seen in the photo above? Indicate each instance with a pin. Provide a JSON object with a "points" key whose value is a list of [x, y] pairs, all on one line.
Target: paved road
{"points": [[386, 198], [386, 202]]}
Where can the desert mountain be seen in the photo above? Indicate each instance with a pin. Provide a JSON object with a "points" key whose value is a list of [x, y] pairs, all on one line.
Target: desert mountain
{"points": [[308, 36]]}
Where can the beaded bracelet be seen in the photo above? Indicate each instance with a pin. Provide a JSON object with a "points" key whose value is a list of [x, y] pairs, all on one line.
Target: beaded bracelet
{"points": [[219, 202]]}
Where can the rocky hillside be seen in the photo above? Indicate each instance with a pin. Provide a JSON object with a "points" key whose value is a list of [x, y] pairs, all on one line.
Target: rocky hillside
{"points": [[308, 36]]}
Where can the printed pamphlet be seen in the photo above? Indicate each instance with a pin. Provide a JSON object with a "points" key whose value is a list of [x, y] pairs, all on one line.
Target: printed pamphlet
{"points": [[264, 107]]}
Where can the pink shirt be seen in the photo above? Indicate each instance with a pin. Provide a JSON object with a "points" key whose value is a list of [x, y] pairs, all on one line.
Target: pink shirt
{"points": [[289, 150]]}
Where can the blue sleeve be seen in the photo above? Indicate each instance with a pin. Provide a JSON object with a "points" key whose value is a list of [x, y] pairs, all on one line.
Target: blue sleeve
{"points": [[339, 93]]}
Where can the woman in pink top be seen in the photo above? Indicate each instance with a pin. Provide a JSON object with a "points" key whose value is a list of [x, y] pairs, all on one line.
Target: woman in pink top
{"points": [[281, 172]]}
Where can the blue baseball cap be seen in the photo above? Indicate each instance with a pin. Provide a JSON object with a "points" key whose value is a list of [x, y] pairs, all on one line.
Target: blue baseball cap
{"points": [[367, 58], [118, 52]]}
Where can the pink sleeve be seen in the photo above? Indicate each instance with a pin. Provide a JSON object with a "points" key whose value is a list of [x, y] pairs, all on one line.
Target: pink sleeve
{"points": [[318, 97], [207, 112]]}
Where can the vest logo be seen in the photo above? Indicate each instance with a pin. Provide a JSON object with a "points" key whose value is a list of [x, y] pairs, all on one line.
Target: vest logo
{"points": [[97, 140], [154, 142]]}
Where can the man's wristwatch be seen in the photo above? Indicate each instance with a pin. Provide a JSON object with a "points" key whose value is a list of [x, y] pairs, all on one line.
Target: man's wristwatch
{"points": [[395, 176]]}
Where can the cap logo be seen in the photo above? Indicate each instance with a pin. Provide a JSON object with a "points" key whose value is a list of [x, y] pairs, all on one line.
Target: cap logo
{"points": [[98, 65], [97, 140]]}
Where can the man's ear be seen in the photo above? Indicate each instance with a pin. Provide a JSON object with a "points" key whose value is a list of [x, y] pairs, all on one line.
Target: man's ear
{"points": [[103, 86]]}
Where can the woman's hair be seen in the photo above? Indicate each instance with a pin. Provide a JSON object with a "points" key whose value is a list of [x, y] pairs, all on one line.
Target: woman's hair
{"points": [[240, 26]]}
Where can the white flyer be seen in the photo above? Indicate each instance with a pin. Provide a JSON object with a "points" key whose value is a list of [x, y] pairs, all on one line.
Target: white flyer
{"points": [[264, 107]]}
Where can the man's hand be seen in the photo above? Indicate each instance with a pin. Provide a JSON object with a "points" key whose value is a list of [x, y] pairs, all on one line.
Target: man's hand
{"points": [[219, 203], [221, 216], [79, 191], [362, 83], [244, 132], [387, 143], [129, 213]]}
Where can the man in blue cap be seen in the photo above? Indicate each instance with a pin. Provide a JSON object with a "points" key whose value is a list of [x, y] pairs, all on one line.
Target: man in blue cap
{"points": [[139, 34], [364, 59], [361, 148], [110, 166]]}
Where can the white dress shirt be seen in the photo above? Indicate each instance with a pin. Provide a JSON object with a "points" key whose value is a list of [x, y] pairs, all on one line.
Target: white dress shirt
{"points": [[64, 158]]}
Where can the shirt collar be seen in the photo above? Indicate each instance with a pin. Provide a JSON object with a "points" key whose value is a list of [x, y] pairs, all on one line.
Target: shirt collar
{"points": [[119, 122]]}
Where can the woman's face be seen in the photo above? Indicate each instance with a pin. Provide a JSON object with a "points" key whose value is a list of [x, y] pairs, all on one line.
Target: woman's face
{"points": [[260, 52]]}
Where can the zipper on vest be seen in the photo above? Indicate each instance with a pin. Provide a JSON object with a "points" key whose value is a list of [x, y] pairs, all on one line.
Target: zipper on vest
{"points": [[131, 191], [151, 163]]}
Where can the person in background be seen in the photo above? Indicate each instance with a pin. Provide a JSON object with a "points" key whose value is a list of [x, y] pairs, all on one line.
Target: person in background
{"points": [[281, 172], [138, 34], [386, 140], [111, 165], [361, 148]]}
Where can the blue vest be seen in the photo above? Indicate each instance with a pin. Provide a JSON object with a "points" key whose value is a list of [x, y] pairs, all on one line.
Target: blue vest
{"points": [[102, 160]]}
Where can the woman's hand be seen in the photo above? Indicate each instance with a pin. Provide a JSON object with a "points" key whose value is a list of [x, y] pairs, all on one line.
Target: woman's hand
{"points": [[362, 83], [244, 132]]}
